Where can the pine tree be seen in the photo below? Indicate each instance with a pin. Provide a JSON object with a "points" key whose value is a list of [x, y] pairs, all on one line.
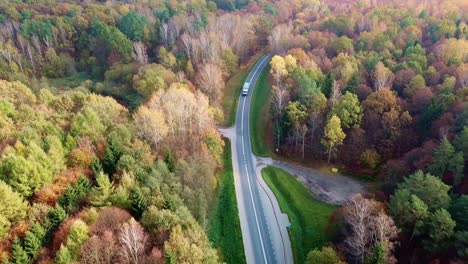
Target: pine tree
{"points": [[111, 158], [56, 217], [378, 256], [74, 194], [33, 240], [457, 166], [328, 85], [96, 166], [441, 158], [352, 85], [138, 202], [63, 256], [18, 254], [169, 160], [102, 191]]}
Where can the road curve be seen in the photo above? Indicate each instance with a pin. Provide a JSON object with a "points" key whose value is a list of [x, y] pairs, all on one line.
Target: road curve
{"points": [[264, 227]]}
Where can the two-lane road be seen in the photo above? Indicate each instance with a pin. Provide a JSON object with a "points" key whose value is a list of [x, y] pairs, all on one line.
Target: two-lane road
{"points": [[263, 230]]}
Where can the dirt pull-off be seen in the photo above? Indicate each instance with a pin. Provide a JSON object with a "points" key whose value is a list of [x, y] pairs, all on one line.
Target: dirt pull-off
{"points": [[326, 187]]}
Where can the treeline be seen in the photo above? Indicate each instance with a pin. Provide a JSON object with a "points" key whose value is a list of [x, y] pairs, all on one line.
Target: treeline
{"points": [[380, 89]]}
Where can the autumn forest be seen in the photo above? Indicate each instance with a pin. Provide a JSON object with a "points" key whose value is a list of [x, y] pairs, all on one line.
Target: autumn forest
{"points": [[110, 112]]}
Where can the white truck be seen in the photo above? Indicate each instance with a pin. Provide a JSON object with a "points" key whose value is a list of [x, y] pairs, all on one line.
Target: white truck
{"points": [[245, 88]]}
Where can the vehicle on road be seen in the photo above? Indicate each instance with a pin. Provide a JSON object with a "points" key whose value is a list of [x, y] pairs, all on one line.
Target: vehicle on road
{"points": [[245, 88]]}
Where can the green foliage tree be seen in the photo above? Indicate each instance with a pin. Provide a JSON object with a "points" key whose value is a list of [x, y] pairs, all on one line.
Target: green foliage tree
{"points": [[134, 26], [230, 61], [56, 216], [87, 123], [353, 84], [434, 110], [333, 135], [152, 77], [325, 255], [459, 211], [26, 168], [112, 157], [442, 156], [74, 194], [63, 256], [378, 255], [169, 160], [440, 230], [328, 85], [113, 39], [96, 166], [167, 58], [343, 44], [33, 240], [18, 254], [101, 193], [446, 159], [409, 211], [138, 203], [13, 208], [431, 190], [348, 109], [461, 243], [77, 235]]}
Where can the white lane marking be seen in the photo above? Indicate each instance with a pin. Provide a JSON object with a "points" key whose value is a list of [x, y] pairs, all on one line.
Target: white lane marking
{"points": [[247, 171]]}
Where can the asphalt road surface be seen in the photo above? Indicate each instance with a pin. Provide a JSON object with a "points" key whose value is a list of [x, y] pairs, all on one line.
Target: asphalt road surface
{"points": [[259, 248]]}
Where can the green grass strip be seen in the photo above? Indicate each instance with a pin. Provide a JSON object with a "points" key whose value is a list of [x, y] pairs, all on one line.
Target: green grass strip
{"points": [[224, 229], [259, 114], [309, 217]]}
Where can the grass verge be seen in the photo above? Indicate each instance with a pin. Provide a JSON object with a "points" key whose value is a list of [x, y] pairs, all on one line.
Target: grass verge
{"points": [[224, 226], [259, 115], [231, 96], [232, 91], [308, 216]]}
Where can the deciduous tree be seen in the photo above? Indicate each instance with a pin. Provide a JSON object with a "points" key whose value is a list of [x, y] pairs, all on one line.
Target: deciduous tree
{"points": [[333, 135]]}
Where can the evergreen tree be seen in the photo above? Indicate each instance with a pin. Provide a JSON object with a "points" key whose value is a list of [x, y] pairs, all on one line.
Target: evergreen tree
{"points": [[102, 191], [441, 157], [18, 254], [138, 202], [457, 166], [440, 230], [56, 217], [378, 256], [111, 158], [33, 240], [63, 256], [74, 194], [169, 160], [352, 85], [96, 166], [328, 85]]}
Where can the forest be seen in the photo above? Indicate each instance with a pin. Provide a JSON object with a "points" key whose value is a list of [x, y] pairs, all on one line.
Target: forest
{"points": [[109, 116]]}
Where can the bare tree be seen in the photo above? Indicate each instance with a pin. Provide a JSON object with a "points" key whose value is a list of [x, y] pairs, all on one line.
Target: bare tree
{"points": [[335, 93], [99, 249], [139, 53], [210, 80], [385, 232], [302, 131], [132, 240], [369, 225], [383, 77], [280, 100], [358, 216]]}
